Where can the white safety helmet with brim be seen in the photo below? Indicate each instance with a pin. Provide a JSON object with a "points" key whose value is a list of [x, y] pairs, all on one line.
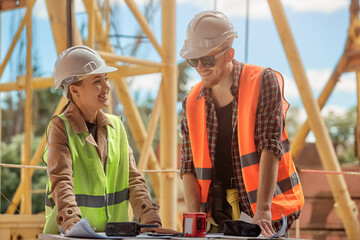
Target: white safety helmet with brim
{"points": [[76, 63], [207, 31]]}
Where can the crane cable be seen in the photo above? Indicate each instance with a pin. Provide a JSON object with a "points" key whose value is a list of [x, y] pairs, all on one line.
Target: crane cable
{"points": [[247, 30], [177, 170], [328, 172]]}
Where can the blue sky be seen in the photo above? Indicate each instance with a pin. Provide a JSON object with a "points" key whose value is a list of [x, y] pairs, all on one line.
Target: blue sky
{"points": [[319, 27]]}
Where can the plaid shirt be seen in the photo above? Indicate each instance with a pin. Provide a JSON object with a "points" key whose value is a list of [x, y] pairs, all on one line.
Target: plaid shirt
{"points": [[268, 131]]}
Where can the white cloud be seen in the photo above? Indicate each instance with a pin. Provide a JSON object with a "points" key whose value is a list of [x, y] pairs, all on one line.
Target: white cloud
{"points": [[347, 82], [291, 90], [259, 9], [40, 10], [318, 79], [322, 6], [233, 8], [335, 109]]}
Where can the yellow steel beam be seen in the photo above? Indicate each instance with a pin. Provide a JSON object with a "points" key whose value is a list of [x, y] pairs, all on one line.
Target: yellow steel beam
{"points": [[22, 179], [34, 161], [108, 24], [346, 207], [131, 112], [15, 39], [155, 114], [145, 26], [28, 109], [348, 62], [132, 70], [36, 82], [101, 34], [91, 30], [58, 21], [168, 135], [137, 128], [299, 140], [6, 5], [112, 57], [21, 226]]}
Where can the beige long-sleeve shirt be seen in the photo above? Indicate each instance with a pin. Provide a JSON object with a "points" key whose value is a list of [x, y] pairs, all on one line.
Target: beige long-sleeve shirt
{"points": [[61, 174]]}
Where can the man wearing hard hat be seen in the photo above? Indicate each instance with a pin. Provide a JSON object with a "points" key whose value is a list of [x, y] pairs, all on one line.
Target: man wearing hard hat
{"points": [[235, 147]]}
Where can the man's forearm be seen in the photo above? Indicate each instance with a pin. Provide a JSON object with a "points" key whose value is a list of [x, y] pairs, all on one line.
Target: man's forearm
{"points": [[267, 179], [192, 192]]}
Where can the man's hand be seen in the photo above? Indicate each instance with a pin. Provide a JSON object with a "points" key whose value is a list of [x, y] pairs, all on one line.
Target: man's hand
{"points": [[268, 171], [263, 219]]}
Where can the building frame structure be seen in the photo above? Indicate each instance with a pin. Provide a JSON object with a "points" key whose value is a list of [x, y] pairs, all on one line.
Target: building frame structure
{"points": [[66, 33]]}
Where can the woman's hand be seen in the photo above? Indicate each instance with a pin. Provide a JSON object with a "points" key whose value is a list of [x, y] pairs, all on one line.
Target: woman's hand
{"points": [[67, 226], [263, 219]]}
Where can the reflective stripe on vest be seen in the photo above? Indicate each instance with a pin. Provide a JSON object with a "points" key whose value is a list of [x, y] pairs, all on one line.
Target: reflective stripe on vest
{"points": [[288, 197], [101, 196], [83, 200]]}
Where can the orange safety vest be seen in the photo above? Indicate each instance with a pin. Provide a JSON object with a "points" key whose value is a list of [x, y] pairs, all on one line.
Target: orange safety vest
{"points": [[288, 196]]}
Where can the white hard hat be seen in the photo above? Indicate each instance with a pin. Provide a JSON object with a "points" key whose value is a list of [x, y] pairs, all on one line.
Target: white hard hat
{"points": [[76, 62], [206, 31]]}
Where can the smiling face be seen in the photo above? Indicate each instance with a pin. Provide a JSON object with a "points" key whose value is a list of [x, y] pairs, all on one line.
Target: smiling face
{"points": [[211, 76], [92, 94]]}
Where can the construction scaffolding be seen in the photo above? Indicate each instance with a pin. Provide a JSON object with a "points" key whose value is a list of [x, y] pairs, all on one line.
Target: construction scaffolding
{"points": [[164, 185], [66, 33]]}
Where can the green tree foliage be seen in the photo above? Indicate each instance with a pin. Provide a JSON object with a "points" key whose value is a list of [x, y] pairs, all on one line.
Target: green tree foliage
{"points": [[183, 79], [43, 103], [10, 177], [341, 131], [292, 122], [340, 128]]}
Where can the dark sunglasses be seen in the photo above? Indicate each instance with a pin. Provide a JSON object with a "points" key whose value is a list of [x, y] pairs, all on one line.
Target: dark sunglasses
{"points": [[207, 61]]}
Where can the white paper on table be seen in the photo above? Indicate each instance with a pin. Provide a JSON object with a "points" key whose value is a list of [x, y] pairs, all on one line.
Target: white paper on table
{"points": [[82, 229], [246, 218]]}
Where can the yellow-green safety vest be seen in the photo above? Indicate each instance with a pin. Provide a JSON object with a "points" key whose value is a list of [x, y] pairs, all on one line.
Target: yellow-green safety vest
{"points": [[101, 195]]}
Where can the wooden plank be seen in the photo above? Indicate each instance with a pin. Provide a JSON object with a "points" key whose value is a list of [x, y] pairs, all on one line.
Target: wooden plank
{"points": [[6, 5], [17, 220]]}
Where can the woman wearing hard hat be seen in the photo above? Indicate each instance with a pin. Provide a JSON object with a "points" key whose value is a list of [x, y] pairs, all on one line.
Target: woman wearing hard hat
{"points": [[91, 168]]}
